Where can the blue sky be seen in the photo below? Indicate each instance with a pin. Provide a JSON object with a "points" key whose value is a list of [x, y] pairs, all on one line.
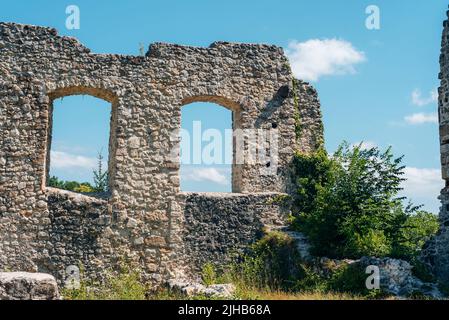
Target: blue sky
{"points": [[378, 90]]}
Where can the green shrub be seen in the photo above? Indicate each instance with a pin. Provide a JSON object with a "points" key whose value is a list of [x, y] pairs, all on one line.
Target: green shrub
{"points": [[74, 186], [208, 274], [373, 243], [348, 205], [272, 263], [349, 279], [124, 286], [277, 259], [416, 231], [310, 281]]}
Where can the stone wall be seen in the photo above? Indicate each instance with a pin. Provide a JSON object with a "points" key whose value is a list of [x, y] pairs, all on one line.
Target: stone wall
{"points": [[436, 252], [309, 123], [219, 224], [146, 220]]}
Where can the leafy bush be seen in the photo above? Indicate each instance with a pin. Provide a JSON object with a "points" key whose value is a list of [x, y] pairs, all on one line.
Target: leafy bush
{"points": [[272, 263], [416, 230], [348, 205], [74, 186], [351, 279], [209, 274], [279, 259], [310, 281]]}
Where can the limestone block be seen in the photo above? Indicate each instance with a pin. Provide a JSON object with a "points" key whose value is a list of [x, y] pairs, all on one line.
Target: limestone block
{"points": [[28, 286]]}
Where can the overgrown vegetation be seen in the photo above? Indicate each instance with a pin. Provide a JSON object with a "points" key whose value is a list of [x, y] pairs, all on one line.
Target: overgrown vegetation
{"points": [[348, 205], [84, 187], [272, 269], [258, 274], [272, 263], [100, 178], [125, 284]]}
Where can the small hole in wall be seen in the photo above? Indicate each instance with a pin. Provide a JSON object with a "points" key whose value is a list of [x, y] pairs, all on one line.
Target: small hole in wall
{"points": [[268, 164], [274, 125]]}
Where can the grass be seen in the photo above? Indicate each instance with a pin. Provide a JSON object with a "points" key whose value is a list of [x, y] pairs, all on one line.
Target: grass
{"points": [[255, 294], [273, 270], [280, 295], [126, 285], [122, 285]]}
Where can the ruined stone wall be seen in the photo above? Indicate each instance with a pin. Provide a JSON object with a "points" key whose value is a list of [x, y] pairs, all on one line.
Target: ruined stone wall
{"points": [[211, 221], [436, 251], [146, 219], [309, 126]]}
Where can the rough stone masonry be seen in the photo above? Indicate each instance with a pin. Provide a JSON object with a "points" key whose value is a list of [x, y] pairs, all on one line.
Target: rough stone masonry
{"points": [[436, 253], [146, 220]]}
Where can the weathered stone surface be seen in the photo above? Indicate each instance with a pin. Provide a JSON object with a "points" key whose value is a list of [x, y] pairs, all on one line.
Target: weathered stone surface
{"points": [[28, 286], [219, 224], [436, 252], [190, 289], [396, 278], [144, 219], [302, 244]]}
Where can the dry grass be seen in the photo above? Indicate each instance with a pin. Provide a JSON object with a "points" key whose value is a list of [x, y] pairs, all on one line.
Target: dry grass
{"points": [[308, 296], [271, 296], [280, 295]]}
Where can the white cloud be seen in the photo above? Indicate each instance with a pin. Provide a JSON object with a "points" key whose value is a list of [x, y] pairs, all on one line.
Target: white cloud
{"points": [[365, 145], [64, 160], [214, 175], [420, 101], [315, 58], [423, 186], [421, 118]]}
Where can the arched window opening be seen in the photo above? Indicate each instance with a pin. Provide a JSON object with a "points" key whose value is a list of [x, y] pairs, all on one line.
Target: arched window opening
{"points": [[206, 148], [78, 145]]}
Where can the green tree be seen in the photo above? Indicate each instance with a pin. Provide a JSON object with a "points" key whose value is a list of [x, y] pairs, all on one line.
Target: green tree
{"points": [[100, 176], [416, 231], [348, 204], [54, 182]]}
